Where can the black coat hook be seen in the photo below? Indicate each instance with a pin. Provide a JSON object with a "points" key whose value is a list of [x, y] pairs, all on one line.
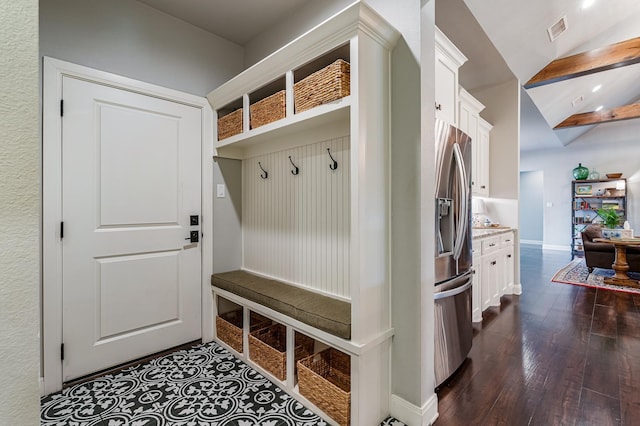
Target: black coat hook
{"points": [[295, 170], [264, 173], [334, 163]]}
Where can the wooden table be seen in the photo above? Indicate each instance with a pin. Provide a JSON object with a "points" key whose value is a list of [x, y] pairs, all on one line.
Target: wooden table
{"points": [[620, 264]]}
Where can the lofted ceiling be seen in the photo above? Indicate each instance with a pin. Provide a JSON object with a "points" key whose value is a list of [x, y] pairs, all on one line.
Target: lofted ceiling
{"points": [[518, 30], [501, 38]]}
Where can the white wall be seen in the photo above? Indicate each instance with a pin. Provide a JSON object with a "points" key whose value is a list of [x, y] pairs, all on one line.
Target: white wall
{"points": [[610, 147], [129, 38], [227, 214], [296, 228], [531, 206], [502, 110], [402, 14], [427, 208], [406, 256], [19, 213], [295, 25]]}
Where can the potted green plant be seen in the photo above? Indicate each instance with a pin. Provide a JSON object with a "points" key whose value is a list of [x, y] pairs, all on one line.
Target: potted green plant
{"points": [[609, 217], [611, 220]]}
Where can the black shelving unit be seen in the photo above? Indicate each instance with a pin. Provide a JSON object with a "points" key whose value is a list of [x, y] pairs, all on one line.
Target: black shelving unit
{"points": [[587, 197]]}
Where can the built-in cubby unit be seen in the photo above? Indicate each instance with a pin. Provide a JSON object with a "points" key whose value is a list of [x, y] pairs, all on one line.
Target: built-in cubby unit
{"points": [[315, 201]]}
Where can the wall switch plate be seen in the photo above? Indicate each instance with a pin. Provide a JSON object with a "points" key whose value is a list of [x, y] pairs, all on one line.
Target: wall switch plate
{"points": [[220, 190]]}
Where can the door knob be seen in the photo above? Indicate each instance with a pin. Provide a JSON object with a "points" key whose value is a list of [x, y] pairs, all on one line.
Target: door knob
{"points": [[194, 236]]}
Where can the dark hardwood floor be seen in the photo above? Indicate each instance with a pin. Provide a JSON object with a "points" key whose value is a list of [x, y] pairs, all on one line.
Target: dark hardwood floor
{"points": [[558, 354]]}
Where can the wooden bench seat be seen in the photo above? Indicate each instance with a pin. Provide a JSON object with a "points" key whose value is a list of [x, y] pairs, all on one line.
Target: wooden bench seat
{"points": [[322, 312]]}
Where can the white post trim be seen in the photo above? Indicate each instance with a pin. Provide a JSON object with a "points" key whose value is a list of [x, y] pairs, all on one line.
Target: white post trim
{"points": [[412, 415]]}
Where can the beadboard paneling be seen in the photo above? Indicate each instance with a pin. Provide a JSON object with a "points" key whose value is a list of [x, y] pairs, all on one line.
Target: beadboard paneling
{"points": [[296, 228]]}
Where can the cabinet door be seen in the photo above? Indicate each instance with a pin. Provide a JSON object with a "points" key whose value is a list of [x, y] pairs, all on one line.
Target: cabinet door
{"points": [[480, 152], [488, 279], [492, 278], [508, 263], [476, 166], [468, 119], [476, 299], [446, 89]]}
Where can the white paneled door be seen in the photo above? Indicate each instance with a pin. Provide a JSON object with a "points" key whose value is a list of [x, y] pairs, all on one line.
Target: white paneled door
{"points": [[130, 182]]}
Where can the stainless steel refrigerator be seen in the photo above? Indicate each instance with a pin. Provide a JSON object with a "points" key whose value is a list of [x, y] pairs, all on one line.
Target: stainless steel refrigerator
{"points": [[453, 259]]}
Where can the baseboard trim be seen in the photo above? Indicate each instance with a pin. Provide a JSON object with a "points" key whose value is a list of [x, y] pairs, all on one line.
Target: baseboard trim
{"points": [[555, 247], [517, 289], [412, 415], [532, 242], [41, 382]]}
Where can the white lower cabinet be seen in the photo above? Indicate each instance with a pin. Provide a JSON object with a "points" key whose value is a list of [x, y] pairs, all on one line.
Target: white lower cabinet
{"points": [[476, 293], [493, 260], [491, 279], [508, 264]]}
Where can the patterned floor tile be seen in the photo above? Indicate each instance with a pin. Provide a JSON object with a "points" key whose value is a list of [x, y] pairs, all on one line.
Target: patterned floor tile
{"points": [[204, 385]]}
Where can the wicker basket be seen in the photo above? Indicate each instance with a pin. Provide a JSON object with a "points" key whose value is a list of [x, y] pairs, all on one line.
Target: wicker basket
{"points": [[325, 380], [230, 124], [268, 110], [330, 83], [268, 349], [229, 327]]}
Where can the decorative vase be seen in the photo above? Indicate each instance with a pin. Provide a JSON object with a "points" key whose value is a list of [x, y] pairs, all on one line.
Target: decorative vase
{"points": [[580, 172], [617, 233], [594, 175]]}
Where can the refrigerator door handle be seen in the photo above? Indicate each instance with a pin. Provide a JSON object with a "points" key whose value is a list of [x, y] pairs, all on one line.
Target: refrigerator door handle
{"points": [[454, 291], [461, 229]]}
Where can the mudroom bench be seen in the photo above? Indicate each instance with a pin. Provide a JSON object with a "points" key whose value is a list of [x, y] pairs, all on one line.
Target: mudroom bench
{"points": [[272, 325], [319, 311]]}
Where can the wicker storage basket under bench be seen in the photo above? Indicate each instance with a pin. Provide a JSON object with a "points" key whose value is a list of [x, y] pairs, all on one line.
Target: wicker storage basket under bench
{"points": [[268, 348], [325, 380], [229, 327], [330, 83]]}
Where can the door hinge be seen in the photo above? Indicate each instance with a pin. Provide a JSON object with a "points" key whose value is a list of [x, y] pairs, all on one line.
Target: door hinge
{"points": [[61, 230], [62, 352], [61, 108]]}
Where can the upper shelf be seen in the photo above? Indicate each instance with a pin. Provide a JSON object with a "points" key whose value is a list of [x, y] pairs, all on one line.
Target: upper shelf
{"points": [[334, 38], [578, 182], [278, 133]]}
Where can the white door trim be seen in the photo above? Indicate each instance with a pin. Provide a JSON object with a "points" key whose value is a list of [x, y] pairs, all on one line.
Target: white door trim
{"points": [[51, 309]]}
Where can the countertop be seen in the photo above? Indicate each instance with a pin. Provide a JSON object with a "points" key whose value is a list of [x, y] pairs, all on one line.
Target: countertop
{"points": [[484, 231]]}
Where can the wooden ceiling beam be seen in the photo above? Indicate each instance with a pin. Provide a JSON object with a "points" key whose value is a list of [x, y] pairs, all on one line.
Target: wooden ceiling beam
{"points": [[605, 58], [626, 112]]}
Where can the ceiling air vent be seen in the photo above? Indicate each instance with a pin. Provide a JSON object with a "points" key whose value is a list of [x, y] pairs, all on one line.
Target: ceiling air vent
{"points": [[558, 28]]}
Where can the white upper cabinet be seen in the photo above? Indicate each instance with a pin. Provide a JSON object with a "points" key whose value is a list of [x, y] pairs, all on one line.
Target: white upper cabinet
{"points": [[470, 122], [448, 59], [482, 147]]}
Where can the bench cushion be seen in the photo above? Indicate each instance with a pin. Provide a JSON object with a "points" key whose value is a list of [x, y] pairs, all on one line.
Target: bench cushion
{"points": [[319, 311]]}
